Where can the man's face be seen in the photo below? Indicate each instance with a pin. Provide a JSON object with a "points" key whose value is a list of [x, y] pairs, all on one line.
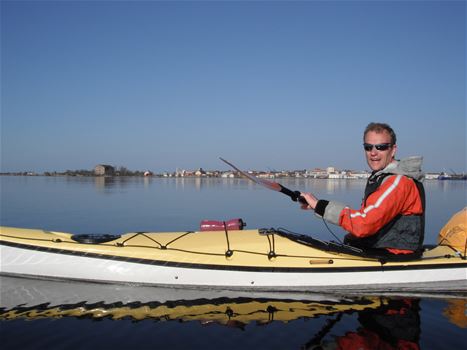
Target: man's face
{"points": [[378, 160]]}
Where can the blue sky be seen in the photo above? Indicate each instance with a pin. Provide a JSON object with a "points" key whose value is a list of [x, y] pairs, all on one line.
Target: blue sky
{"points": [[267, 84]]}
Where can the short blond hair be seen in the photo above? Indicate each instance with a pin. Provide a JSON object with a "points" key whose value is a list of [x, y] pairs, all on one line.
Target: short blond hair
{"points": [[379, 128]]}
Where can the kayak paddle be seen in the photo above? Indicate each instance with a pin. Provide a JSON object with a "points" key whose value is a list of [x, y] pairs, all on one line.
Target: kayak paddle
{"points": [[294, 195]]}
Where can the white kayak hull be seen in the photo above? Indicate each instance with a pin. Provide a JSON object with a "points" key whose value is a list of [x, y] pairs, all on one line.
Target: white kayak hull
{"points": [[18, 261]]}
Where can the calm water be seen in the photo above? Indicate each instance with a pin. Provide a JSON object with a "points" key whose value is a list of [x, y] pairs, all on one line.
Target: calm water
{"points": [[122, 317]]}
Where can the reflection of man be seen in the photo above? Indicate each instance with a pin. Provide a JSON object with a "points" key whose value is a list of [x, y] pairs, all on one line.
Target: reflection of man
{"points": [[392, 213], [394, 326]]}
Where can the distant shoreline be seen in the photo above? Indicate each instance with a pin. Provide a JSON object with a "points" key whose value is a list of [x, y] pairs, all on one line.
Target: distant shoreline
{"points": [[161, 176], [105, 170]]}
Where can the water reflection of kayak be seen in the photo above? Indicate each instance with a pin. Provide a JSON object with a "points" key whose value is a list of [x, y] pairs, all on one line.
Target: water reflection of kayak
{"points": [[385, 322], [23, 298], [253, 259]]}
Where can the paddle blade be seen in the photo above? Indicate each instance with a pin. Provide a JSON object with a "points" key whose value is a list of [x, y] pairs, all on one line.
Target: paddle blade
{"points": [[294, 195], [269, 184]]}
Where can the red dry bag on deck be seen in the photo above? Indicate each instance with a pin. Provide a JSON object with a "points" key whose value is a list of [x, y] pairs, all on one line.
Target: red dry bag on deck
{"points": [[214, 225]]}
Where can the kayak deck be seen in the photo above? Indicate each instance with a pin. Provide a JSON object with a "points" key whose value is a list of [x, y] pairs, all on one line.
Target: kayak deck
{"points": [[244, 258], [249, 248]]}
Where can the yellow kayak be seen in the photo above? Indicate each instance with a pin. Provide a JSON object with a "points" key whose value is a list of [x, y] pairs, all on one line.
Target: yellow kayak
{"points": [[254, 259]]}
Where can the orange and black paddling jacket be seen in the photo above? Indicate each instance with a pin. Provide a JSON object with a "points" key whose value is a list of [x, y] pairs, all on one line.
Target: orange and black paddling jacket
{"points": [[392, 212]]}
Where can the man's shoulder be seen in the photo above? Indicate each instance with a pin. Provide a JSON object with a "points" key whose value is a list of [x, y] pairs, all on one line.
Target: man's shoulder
{"points": [[398, 180], [411, 167]]}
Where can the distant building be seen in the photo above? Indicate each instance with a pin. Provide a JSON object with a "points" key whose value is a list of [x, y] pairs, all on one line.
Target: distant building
{"points": [[334, 175], [317, 173], [200, 172], [180, 172], [358, 175], [104, 170], [228, 174], [432, 176]]}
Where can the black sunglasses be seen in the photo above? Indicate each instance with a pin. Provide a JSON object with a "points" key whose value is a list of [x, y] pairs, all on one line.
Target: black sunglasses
{"points": [[380, 147]]}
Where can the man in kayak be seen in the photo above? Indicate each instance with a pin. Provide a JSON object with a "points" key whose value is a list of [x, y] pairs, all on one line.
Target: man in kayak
{"points": [[391, 217]]}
